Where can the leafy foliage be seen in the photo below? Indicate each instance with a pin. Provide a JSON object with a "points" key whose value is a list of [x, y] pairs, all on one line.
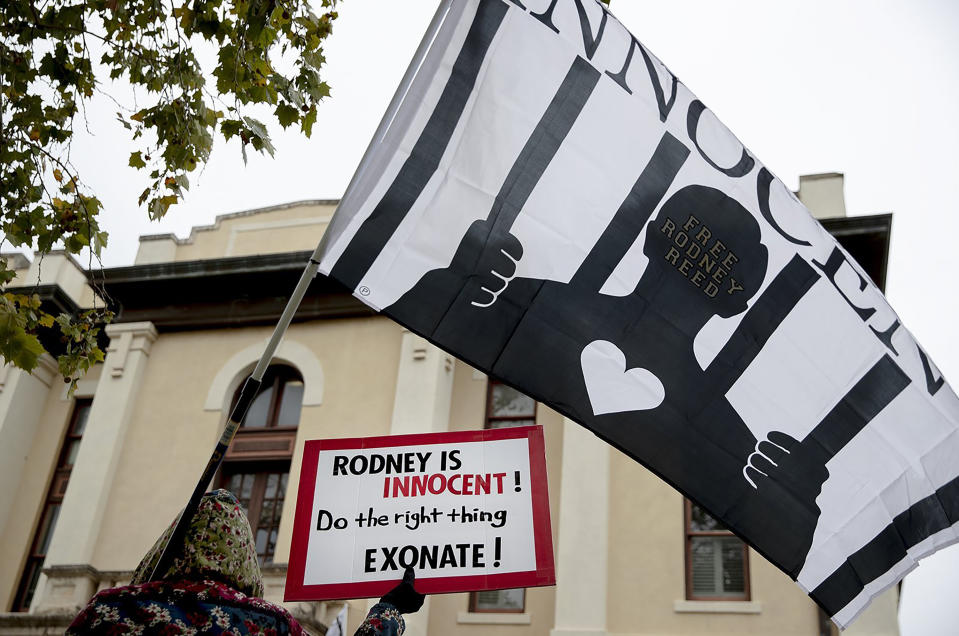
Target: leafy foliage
{"points": [[55, 55]]}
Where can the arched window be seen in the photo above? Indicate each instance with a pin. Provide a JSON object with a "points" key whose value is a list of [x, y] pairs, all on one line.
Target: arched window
{"points": [[257, 464], [278, 402]]}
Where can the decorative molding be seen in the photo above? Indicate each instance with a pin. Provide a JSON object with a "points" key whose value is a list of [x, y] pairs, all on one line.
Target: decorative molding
{"points": [[85, 389], [717, 607], [125, 338], [234, 215], [271, 225], [237, 367], [46, 370], [493, 618], [264, 443], [42, 623], [420, 348], [220, 293], [73, 571]]}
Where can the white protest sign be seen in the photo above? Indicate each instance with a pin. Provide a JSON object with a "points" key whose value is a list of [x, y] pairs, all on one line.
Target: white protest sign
{"points": [[467, 510]]}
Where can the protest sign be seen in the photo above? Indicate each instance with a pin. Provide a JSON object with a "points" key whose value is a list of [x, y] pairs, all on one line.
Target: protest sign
{"points": [[467, 510]]}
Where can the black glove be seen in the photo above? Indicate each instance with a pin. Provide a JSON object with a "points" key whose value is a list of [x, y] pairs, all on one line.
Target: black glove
{"points": [[404, 597]]}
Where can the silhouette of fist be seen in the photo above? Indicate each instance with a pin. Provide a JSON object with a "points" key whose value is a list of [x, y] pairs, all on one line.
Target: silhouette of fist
{"points": [[788, 476], [490, 255], [797, 467]]}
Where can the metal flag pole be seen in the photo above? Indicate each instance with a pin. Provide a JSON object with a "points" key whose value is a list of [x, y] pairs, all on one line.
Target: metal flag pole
{"points": [[252, 384], [247, 393]]}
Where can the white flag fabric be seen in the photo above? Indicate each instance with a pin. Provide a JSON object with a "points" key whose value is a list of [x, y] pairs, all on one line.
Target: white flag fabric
{"points": [[338, 627], [552, 205]]}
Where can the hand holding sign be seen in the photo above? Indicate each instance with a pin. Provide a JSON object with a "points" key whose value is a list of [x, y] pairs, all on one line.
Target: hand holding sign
{"points": [[404, 596]]}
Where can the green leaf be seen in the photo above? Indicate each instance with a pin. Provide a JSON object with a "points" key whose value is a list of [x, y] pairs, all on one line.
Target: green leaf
{"points": [[17, 346], [286, 114], [308, 120], [43, 197], [136, 160], [230, 128]]}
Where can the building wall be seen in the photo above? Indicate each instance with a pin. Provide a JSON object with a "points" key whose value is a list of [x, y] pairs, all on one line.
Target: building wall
{"points": [[449, 613], [184, 365], [282, 228], [360, 380]]}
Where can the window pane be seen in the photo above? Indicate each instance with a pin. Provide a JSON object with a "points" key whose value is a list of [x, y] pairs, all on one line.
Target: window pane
{"points": [[510, 423], [272, 480], [28, 585], [259, 410], [241, 485], [80, 420], [290, 407], [702, 521], [734, 581], [73, 446], [266, 514], [501, 600], [717, 566], [262, 492], [246, 490], [703, 565], [271, 546], [507, 401], [47, 526], [261, 536]]}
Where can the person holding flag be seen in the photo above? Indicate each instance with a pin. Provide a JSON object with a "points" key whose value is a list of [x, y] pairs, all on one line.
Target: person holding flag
{"points": [[215, 587]]}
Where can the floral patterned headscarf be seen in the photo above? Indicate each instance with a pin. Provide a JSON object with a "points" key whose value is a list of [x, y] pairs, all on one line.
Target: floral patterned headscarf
{"points": [[218, 546]]}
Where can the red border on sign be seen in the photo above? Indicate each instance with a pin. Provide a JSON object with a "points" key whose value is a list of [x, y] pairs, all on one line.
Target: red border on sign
{"points": [[543, 574]]}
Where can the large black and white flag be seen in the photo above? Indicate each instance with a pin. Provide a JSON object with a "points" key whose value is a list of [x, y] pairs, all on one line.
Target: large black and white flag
{"points": [[550, 204]]}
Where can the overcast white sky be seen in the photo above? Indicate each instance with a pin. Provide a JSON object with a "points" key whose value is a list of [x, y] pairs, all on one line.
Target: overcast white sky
{"points": [[864, 87]]}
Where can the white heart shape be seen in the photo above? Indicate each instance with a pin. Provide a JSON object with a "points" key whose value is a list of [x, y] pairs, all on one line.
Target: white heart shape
{"points": [[614, 389]]}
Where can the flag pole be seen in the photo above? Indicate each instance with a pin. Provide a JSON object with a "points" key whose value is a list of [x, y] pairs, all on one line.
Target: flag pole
{"points": [[252, 384], [247, 393]]}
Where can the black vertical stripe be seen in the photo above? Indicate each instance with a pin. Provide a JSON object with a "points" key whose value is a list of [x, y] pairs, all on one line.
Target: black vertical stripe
{"points": [[909, 528], [761, 321], [871, 394], [632, 215], [424, 159]]}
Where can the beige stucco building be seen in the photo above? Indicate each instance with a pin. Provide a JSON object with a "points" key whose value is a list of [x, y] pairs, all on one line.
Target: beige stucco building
{"points": [[87, 482]]}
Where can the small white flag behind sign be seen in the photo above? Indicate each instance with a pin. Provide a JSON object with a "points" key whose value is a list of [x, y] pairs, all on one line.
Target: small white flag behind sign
{"points": [[338, 627], [548, 202]]}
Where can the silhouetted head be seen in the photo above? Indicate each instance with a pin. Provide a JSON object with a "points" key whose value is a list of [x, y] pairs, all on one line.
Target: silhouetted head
{"points": [[705, 255]]}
